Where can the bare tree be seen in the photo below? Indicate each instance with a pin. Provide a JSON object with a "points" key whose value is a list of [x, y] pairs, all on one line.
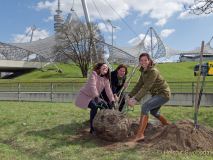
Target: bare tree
{"points": [[201, 7], [76, 43]]}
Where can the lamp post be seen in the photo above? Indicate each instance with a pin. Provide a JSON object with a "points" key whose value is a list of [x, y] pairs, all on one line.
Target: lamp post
{"points": [[113, 27]]}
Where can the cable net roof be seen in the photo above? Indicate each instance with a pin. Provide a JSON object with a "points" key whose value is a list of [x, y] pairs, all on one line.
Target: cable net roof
{"points": [[42, 47]]}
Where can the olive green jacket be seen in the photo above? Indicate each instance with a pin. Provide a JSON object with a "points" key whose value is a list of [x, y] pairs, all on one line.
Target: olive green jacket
{"points": [[150, 81]]}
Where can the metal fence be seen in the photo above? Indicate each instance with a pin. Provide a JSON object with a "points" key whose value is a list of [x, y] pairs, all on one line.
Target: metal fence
{"points": [[66, 91], [41, 87], [185, 87]]}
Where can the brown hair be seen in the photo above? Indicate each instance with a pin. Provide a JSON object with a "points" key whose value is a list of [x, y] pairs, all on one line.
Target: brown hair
{"points": [[97, 68], [148, 57], [122, 66]]}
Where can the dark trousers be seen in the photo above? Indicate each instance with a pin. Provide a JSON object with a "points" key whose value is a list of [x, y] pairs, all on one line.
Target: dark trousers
{"points": [[93, 111], [94, 105]]}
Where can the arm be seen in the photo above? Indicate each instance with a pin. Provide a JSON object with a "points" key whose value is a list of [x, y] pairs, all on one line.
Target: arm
{"points": [[92, 85], [137, 87], [113, 88], [148, 83], [109, 91], [114, 82]]}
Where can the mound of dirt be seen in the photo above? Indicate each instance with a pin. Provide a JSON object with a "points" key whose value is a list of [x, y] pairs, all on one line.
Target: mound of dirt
{"points": [[181, 136], [113, 126]]}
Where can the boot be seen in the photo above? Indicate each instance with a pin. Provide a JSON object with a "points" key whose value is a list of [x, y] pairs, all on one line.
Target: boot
{"points": [[142, 126], [163, 120]]}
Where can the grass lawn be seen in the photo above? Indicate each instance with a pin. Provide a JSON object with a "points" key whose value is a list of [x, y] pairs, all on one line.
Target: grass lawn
{"points": [[178, 72], [40, 130]]}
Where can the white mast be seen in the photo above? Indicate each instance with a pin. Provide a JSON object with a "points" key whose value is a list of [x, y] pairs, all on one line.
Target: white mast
{"points": [[89, 27]]}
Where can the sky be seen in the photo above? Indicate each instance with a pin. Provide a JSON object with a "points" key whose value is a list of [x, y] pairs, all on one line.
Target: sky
{"points": [[174, 24]]}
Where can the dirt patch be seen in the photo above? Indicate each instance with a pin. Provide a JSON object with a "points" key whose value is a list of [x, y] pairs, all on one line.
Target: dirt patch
{"points": [[114, 130], [181, 136]]}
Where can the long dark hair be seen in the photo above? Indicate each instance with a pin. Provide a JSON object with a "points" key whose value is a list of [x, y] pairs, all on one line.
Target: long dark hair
{"points": [[148, 57], [97, 69], [122, 66]]}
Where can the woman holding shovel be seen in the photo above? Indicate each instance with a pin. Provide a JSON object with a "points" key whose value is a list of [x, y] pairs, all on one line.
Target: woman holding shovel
{"points": [[118, 78], [88, 96], [150, 81]]}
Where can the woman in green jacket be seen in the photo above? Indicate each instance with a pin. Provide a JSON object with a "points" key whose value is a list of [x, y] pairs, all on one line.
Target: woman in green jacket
{"points": [[150, 82]]}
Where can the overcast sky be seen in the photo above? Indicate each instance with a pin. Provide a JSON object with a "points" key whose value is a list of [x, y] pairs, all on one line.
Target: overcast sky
{"points": [[132, 18]]}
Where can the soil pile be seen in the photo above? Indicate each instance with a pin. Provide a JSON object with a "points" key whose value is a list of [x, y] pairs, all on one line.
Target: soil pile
{"points": [[181, 136], [113, 126]]}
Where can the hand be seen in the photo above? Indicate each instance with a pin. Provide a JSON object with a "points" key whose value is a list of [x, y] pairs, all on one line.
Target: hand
{"points": [[125, 85], [96, 100], [127, 98], [131, 102], [116, 98], [112, 105]]}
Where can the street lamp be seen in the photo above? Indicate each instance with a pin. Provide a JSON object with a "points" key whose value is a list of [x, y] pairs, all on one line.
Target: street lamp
{"points": [[113, 27]]}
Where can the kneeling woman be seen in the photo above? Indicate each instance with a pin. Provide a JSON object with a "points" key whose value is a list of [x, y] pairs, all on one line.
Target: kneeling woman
{"points": [[150, 81], [88, 95]]}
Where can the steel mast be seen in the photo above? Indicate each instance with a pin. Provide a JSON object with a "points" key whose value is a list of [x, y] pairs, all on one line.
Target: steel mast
{"points": [[86, 14]]}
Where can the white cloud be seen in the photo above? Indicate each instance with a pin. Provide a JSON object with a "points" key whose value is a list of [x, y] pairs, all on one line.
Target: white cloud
{"points": [[103, 27], [37, 34], [104, 8], [187, 15], [166, 32], [137, 20], [161, 22], [106, 27], [146, 23], [159, 10], [46, 4], [51, 6], [50, 18]]}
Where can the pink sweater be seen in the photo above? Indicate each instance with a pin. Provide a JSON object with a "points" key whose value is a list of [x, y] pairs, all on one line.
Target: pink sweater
{"points": [[92, 89]]}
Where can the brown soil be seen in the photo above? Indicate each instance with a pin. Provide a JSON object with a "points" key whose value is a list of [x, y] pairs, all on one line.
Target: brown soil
{"points": [[181, 136]]}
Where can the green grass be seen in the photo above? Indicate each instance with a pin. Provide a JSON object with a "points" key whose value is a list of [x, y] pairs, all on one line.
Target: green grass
{"points": [[171, 71], [178, 72], [70, 73], [40, 130]]}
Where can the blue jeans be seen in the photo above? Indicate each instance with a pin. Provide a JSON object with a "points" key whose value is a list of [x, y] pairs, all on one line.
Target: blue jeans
{"points": [[153, 105]]}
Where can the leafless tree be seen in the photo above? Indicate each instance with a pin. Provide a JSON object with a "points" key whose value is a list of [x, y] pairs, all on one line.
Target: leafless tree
{"points": [[76, 43], [201, 7]]}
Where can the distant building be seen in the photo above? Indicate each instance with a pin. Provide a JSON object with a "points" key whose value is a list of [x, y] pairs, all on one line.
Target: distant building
{"points": [[194, 55]]}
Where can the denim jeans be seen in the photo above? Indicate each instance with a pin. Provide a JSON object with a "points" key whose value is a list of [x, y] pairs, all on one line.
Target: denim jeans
{"points": [[153, 105]]}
